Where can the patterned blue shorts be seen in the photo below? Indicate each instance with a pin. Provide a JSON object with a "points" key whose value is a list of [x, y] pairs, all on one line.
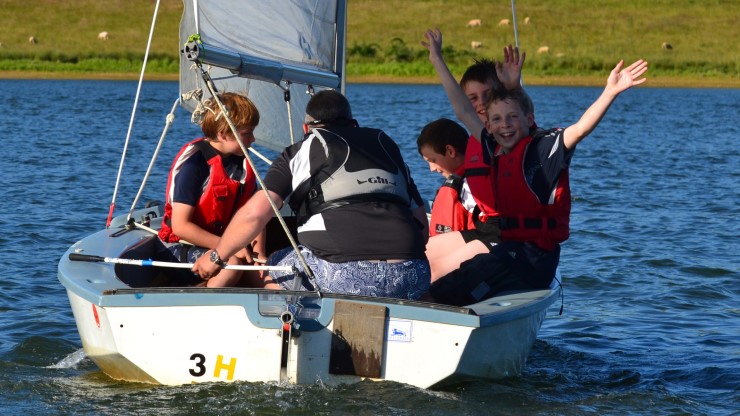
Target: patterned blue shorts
{"points": [[405, 280]]}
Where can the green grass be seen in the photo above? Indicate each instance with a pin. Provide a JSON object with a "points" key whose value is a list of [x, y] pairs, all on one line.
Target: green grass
{"points": [[585, 37]]}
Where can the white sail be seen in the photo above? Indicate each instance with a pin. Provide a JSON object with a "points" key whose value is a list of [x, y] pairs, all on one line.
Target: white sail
{"points": [[265, 48]]}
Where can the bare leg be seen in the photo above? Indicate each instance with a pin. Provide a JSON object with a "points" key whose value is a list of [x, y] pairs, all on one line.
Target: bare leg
{"points": [[450, 261]]}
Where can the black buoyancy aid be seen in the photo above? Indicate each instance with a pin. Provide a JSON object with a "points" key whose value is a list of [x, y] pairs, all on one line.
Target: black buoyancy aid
{"points": [[380, 178], [221, 197], [523, 216]]}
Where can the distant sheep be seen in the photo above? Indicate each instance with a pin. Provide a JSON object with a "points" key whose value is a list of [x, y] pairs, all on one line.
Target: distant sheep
{"points": [[32, 40], [475, 44], [473, 23], [666, 45], [543, 49], [103, 36], [503, 22], [526, 20]]}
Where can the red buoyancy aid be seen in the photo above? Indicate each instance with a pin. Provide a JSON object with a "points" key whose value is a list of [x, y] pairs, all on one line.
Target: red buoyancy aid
{"points": [[523, 216], [448, 212], [480, 180], [221, 197]]}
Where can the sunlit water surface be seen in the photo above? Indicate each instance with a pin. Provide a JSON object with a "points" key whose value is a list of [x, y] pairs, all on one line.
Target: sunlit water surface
{"points": [[651, 321]]}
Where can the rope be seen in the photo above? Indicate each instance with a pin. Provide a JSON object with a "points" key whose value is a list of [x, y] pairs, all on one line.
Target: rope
{"points": [[169, 120], [133, 117], [286, 95], [261, 156]]}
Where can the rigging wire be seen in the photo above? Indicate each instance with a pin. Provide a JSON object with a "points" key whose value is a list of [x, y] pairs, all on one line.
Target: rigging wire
{"points": [[169, 120], [133, 116], [516, 33]]}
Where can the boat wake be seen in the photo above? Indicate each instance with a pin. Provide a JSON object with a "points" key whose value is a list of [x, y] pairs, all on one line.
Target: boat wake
{"points": [[71, 360]]}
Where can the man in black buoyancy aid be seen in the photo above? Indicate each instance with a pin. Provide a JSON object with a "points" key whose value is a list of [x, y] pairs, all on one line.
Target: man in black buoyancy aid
{"points": [[361, 221], [530, 181]]}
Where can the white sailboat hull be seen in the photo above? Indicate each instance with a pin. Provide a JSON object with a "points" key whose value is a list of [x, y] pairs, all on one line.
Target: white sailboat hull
{"points": [[182, 335], [137, 325]]}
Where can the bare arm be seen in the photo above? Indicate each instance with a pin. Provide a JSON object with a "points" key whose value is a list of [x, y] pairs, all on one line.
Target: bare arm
{"points": [[247, 224], [462, 107], [184, 227], [619, 80]]}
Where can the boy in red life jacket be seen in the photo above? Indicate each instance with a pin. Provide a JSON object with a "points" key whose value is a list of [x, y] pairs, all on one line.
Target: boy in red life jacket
{"points": [[530, 178], [209, 180], [442, 144], [445, 143], [482, 80]]}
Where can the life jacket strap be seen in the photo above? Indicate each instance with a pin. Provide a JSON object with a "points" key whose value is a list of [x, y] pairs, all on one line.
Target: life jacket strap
{"points": [[508, 223]]}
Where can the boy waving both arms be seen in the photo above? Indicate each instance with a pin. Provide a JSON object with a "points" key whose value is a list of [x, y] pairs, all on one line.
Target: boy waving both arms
{"points": [[529, 176]]}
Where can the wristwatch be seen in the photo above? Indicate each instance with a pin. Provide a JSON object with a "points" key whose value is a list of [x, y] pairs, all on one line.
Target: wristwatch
{"points": [[216, 259]]}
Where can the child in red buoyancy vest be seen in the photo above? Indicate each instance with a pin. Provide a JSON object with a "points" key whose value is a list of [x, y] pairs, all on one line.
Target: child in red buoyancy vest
{"points": [[209, 180]]}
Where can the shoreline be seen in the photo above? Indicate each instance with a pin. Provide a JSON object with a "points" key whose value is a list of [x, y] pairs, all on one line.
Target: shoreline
{"points": [[566, 81]]}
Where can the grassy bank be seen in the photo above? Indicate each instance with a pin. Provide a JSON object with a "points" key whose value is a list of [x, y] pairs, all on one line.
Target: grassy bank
{"points": [[584, 39]]}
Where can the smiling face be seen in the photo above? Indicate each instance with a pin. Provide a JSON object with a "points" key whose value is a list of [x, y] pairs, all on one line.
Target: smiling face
{"points": [[446, 163], [507, 122], [478, 93]]}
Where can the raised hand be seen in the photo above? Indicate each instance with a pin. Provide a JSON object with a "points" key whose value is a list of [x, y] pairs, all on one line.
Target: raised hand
{"points": [[509, 72], [434, 42], [622, 79]]}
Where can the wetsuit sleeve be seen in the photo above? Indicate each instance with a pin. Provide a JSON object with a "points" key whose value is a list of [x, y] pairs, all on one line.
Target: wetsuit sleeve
{"points": [[295, 165], [546, 159], [189, 182], [416, 199], [279, 178]]}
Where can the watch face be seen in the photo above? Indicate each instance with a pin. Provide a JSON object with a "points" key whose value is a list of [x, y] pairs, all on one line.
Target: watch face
{"points": [[214, 257]]}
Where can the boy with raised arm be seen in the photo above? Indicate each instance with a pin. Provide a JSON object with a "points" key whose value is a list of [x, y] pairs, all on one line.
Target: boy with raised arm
{"points": [[531, 192]]}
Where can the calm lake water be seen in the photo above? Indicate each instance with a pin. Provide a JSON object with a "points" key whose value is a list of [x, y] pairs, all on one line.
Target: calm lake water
{"points": [[651, 321]]}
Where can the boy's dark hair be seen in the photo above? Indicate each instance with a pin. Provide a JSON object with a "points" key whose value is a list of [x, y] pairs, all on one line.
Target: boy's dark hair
{"points": [[483, 70], [329, 107], [442, 132], [518, 95]]}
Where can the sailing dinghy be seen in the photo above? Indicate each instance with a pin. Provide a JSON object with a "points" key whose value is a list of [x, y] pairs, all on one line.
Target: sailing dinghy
{"points": [[136, 323]]}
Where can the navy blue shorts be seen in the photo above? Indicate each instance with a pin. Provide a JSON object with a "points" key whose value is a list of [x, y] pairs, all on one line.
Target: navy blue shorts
{"points": [[185, 253], [510, 266]]}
